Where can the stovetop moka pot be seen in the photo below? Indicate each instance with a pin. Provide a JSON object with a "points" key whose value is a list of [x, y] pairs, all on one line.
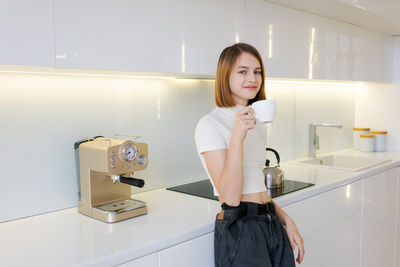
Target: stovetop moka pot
{"points": [[273, 173]]}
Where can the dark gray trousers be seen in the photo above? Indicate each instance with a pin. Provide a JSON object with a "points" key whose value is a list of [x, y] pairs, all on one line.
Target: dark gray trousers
{"points": [[251, 235]]}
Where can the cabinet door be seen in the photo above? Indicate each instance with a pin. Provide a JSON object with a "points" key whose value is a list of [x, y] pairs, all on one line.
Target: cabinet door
{"points": [[379, 219], [319, 212], [118, 35], [176, 36], [397, 262], [198, 252], [335, 246], [146, 261], [27, 33]]}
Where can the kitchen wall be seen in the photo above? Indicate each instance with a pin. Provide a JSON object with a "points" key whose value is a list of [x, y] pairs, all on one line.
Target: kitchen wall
{"points": [[396, 59], [42, 115], [301, 103], [377, 107]]}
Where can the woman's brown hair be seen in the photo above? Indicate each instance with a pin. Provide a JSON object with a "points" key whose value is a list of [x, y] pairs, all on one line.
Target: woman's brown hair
{"points": [[228, 57]]}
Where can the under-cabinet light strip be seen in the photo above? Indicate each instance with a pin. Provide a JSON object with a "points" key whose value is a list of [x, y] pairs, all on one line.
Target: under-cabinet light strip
{"points": [[135, 76]]}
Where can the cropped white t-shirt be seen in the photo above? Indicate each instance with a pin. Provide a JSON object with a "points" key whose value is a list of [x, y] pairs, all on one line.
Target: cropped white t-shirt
{"points": [[213, 132]]}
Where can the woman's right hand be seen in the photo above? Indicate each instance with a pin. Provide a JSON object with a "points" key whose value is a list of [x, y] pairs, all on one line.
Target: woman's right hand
{"points": [[244, 121]]}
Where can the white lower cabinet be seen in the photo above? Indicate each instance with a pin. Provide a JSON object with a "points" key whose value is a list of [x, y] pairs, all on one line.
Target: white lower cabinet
{"points": [[321, 211], [330, 225], [198, 252], [355, 225], [151, 260], [335, 246], [379, 219], [397, 261]]}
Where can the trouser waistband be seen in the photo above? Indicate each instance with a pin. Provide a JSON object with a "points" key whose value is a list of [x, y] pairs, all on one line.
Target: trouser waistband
{"points": [[249, 209]]}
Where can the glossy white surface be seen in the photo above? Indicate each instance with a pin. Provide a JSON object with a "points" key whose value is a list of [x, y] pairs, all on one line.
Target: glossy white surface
{"points": [[126, 35], [302, 103], [372, 14], [44, 111], [379, 219], [27, 33], [376, 107], [350, 257], [396, 59], [325, 212], [43, 115], [338, 245], [346, 163], [157, 36], [190, 253], [66, 238], [397, 235], [146, 261], [384, 8]]}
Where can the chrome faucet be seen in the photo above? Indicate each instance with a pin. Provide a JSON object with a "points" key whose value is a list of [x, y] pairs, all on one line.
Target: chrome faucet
{"points": [[313, 139]]}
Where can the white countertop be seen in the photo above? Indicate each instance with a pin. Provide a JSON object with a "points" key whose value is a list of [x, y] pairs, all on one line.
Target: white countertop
{"points": [[67, 238]]}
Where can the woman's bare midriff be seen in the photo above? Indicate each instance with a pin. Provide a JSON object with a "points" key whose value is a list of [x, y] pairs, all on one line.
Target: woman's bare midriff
{"points": [[260, 198]]}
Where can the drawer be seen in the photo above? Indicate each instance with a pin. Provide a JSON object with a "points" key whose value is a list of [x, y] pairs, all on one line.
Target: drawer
{"points": [[198, 252], [319, 212], [146, 261], [337, 245]]}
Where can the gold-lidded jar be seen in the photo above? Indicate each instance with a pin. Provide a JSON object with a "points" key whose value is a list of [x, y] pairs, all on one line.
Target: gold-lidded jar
{"points": [[367, 142], [356, 136], [380, 140]]}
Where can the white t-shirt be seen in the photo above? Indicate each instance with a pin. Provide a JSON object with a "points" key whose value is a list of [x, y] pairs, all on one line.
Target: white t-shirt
{"points": [[214, 131]]}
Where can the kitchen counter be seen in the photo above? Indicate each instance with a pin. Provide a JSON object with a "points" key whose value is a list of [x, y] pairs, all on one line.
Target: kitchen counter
{"points": [[67, 238]]}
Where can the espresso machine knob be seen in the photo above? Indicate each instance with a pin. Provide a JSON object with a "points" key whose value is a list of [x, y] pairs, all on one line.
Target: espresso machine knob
{"points": [[142, 160]]}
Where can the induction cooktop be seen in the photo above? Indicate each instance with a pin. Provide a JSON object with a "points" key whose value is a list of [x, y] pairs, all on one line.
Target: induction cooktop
{"points": [[204, 188]]}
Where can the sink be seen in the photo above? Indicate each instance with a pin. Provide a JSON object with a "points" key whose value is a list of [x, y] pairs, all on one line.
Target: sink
{"points": [[342, 162]]}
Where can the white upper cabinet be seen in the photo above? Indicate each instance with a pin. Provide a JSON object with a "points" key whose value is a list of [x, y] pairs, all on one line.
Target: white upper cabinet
{"points": [[208, 27], [118, 35], [27, 33], [187, 36], [172, 36], [296, 44]]}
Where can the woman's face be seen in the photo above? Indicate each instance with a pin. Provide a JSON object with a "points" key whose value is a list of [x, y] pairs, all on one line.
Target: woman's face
{"points": [[245, 78]]}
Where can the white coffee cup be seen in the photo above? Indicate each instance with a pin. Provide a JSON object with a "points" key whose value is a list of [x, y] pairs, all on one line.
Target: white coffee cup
{"points": [[264, 110]]}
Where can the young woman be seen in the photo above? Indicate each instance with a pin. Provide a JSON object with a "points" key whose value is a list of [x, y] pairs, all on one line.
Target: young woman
{"points": [[251, 230]]}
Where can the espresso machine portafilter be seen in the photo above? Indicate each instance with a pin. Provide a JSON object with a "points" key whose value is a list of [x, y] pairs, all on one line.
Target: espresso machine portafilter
{"points": [[105, 172]]}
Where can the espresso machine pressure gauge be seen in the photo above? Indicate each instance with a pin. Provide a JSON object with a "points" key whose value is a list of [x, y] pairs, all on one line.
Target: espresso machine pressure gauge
{"points": [[128, 151]]}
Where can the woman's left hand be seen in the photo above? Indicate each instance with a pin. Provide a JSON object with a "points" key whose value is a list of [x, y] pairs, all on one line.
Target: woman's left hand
{"points": [[295, 239]]}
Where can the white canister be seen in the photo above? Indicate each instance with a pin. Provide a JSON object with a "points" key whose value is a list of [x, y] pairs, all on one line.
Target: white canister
{"points": [[356, 136], [367, 142], [380, 140]]}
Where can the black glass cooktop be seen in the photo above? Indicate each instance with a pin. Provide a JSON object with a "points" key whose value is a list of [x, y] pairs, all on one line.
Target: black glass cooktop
{"points": [[204, 188]]}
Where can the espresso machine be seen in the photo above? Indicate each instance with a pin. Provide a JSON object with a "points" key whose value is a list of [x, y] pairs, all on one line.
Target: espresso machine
{"points": [[105, 169]]}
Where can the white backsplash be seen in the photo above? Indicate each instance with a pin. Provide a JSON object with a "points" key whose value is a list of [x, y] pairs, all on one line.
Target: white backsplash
{"points": [[302, 103], [396, 59], [377, 107], [42, 116]]}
